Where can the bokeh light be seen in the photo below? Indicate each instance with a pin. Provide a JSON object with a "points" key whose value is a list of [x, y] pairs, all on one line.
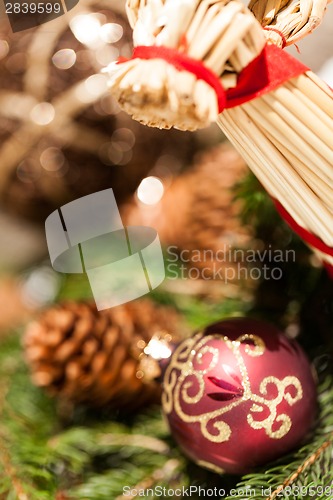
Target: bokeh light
{"points": [[28, 171], [124, 138], [92, 88], [150, 190], [40, 286], [111, 32], [52, 159], [86, 29], [111, 153], [107, 54], [96, 85], [64, 58], [43, 113]]}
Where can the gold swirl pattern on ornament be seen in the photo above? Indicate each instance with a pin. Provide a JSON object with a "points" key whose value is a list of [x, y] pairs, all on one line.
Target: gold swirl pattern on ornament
{"points": [[260, 402], [184, 383], [259, 345]]}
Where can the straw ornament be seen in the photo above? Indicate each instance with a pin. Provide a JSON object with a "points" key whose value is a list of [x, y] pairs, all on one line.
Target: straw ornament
{"points": [[287, 21], [195, 62]]}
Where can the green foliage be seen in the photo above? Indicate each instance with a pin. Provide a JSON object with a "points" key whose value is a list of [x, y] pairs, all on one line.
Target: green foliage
{"points": [[199, 312], [93, 455], [258, 209]]}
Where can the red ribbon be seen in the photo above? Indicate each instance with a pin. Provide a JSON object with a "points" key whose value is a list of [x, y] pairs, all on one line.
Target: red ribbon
{"points": [[182, 62], [310, 238], [266, 72]]}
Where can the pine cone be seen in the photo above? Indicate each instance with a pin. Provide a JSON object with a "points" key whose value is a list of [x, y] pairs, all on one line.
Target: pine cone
{"points": [[90, 357], [198, 211]]}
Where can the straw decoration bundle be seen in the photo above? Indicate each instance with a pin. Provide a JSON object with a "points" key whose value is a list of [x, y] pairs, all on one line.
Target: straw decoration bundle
{"points": [[291, 19], [198, 61]]}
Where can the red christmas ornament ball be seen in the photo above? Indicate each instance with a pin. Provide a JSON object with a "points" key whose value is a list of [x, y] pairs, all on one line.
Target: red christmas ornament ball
{"points": [[238, 395]]}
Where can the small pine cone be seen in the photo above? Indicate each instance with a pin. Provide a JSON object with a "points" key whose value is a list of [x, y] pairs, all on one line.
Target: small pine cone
{"points": [[91, 357]]}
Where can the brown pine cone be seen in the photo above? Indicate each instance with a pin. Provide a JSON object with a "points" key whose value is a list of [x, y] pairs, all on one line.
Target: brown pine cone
{"points": [[91, 357]]}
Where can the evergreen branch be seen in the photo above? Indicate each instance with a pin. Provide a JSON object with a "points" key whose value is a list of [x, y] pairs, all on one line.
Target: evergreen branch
{"points": [[136, 440], [10, 471], [5, 458], [301, 469]]}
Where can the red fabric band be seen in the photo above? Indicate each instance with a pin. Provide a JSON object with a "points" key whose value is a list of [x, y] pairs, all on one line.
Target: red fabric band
{"points": [[182, 62], [310, 238], [266, 72]]}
